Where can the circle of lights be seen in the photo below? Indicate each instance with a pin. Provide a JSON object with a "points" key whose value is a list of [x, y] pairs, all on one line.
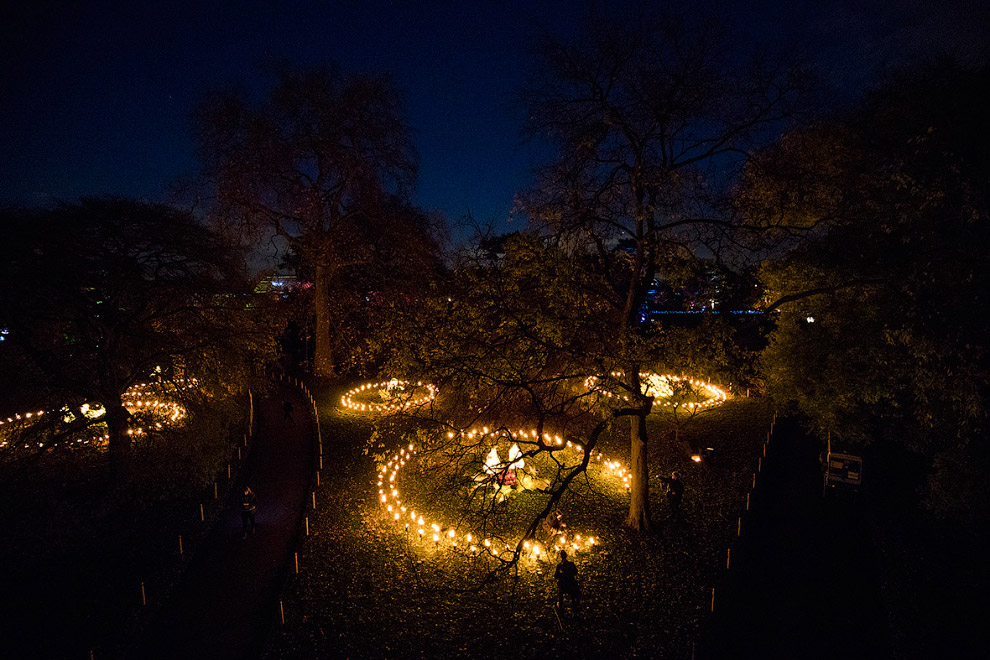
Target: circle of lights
{"points": [[659, 386], [350, 399], [143, 398], [467, 543]]}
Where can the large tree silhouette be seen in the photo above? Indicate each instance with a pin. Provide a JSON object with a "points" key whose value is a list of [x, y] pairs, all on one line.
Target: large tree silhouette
{"points": [[113, 291], [650, 124], [325, 162]]}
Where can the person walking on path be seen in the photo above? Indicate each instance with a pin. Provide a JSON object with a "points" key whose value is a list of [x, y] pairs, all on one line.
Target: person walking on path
{"points": [[675, 492], [566, 576], [222, 605], [287, 412], [249, 504]]}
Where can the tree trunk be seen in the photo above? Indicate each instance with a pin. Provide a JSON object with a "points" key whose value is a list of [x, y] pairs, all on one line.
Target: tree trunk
{"points": [[120, 441], [639, 480], [323, 355]]}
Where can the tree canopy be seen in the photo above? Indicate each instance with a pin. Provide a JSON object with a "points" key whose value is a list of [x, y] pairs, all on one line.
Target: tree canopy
{"points": [[326, 162], [112, 292], [878, 333], [650, 121]]}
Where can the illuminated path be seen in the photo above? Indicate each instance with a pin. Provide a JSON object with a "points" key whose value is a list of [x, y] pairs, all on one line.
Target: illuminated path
{"points": [[227, 598], [465, 542], [366, 399]]}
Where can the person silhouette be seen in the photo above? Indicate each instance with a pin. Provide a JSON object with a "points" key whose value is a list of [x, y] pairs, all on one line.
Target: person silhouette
{"points": [[249, 504], [675, 492], [566, 576]]}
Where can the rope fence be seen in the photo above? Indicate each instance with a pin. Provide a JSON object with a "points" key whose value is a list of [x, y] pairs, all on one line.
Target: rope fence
{"points": [[232, 471], [314, 479], [749, 501]]}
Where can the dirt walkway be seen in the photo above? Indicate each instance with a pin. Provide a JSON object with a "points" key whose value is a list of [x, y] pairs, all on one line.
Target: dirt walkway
{"points": [[226, 601]]}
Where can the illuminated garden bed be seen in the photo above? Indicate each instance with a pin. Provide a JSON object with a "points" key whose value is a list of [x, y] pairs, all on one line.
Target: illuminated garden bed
{"points": [[388, 396], [515, 480], [366, 587], [501, 478], [152, 406], [668, 390]]}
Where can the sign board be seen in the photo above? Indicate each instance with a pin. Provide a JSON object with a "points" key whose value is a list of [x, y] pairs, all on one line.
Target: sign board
{"points": [[843, 469]]}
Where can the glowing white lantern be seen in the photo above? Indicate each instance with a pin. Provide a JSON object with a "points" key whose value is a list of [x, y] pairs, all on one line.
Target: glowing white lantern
{"points": [[493, 461], [516, 461]]}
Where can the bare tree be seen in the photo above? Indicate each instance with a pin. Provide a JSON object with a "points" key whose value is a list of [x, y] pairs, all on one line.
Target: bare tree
{"points": [[324, 162], [650, 125], [504, 340]]}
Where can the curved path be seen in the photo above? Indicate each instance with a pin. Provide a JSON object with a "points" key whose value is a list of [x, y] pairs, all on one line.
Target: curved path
{"points": [[225, 603]]}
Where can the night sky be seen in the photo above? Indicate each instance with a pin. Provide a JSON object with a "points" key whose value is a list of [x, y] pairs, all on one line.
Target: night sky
{"points": [[96, 96]]}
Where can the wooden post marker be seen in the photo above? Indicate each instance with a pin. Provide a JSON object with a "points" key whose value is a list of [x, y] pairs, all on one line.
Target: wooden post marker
{"points": [[739, 527], [180, 545], [216, 491], [314, 499], [713, 599], [307, 525], [747, 501], [228, 471], [317, 477], [281, 611], [728, 554], [297, 562], [144, 598], [202, 517]]}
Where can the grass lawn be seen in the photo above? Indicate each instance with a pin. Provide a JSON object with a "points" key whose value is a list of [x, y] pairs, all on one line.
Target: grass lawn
{"points": [[367, 589]]}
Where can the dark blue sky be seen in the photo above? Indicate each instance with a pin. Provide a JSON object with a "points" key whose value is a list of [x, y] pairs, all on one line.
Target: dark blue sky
{"points": [[96, 96]]}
